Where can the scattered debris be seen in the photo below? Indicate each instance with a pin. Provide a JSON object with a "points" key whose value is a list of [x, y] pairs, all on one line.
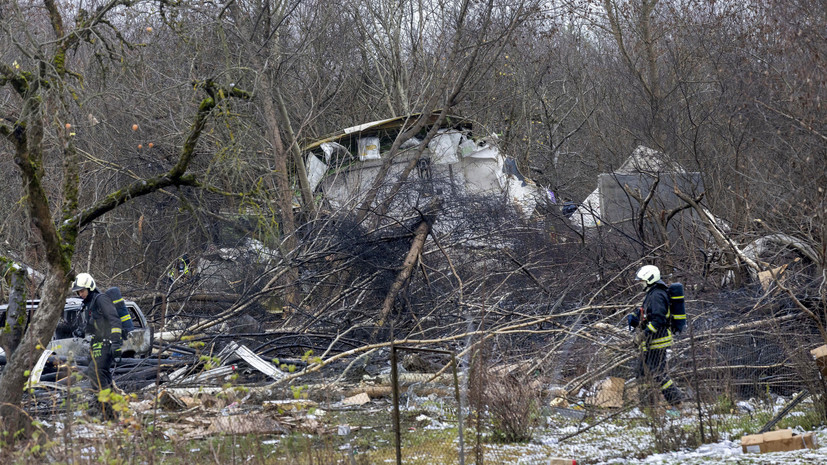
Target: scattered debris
{"points": [[778, 441], [820, 355], [559, 461], [252, 423], [608, 393], [766, 278], [784, 411], [171, 402], [288, 405], [358, 399]]}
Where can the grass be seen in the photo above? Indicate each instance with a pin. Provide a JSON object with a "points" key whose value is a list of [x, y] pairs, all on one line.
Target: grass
{"points": [[371, 440]]}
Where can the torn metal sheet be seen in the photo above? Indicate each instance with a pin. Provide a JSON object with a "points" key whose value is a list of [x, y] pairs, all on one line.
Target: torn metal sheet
{"points": [[228, 351], [774, 242], [316, 170], [411, 378], [51, 385], [523, 195], [260, 391], [37, 371], [333, 149], [178, 373], [208, 375], [390, 124], [259, 363]]}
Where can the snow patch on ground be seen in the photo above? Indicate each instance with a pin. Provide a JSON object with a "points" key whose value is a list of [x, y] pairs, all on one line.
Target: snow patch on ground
{"points": [[613, 444], [730, 452]]}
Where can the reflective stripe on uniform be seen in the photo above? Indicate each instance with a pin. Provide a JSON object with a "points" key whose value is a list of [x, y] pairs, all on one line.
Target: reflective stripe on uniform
{"points": [[679, 317], [116, 330], [117, 301], [651, 327], [661, 344], [666, 385], [126, 318]]}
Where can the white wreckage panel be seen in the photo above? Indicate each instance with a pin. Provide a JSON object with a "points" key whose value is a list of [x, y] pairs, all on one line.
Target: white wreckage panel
{"points": [[474, 169], [483, 175], [642, 160], [369, 148], [444, 147], [37, 371], [315, 171]]}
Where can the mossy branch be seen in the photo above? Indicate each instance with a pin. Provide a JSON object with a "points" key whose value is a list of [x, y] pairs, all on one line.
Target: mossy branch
{"points": [[18, 81], [176, 176], [121, 196]]}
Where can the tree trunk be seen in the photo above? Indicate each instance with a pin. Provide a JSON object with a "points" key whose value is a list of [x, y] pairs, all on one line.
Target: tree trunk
{"points": [[16, 315], [44, 321], [285, 192], [301, 170], [407, 266]]}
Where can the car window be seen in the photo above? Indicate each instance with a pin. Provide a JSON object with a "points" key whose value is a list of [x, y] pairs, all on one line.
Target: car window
{"points": [[135, 319]]}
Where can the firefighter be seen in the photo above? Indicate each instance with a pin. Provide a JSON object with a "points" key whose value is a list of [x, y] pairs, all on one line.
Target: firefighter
{"points": [[104, 325], [654, 335], [180, 269]]}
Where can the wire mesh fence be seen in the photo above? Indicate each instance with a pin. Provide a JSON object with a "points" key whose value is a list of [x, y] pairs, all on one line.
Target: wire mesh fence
{"points": [[728, 381]]}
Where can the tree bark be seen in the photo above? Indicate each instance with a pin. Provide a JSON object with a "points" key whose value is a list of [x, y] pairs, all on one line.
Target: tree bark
{"points": [[36, 338], [16, 315], [420, 235], [60, 244]]}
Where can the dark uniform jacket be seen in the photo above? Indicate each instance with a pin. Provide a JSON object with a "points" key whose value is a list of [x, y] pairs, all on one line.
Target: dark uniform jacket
{"points": [[656, 323], [102, 320]]}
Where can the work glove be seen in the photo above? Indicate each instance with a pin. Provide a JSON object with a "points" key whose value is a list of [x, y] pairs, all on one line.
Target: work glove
{"points": [[78, 333], [117, 354], [633, 321]]}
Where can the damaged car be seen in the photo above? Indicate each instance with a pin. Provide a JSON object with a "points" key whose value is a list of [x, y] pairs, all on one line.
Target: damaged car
{"points": [[137, 343]]}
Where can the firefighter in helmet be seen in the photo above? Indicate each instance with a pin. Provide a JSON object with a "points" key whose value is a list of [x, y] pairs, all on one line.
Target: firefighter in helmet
{"points": [[654, 335], [104, 325]]}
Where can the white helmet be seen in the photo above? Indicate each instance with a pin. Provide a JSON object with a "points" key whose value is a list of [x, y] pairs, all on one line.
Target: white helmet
{"points": [[650, 274], [83, 281]]}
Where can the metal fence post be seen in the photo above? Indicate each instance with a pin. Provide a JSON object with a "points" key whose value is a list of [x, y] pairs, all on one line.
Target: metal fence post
{"points": [[397, 434], [695, 383], [459, 411]]}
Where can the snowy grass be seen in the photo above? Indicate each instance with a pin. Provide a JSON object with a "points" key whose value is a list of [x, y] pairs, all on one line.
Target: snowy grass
{"points": [[430, 436]]}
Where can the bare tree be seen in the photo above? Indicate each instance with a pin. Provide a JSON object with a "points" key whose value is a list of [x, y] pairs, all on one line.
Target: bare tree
{"points": [[43, 83]]}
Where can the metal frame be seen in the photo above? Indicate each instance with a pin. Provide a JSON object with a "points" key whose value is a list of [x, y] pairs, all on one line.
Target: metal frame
{"points": [[397, 433]]}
